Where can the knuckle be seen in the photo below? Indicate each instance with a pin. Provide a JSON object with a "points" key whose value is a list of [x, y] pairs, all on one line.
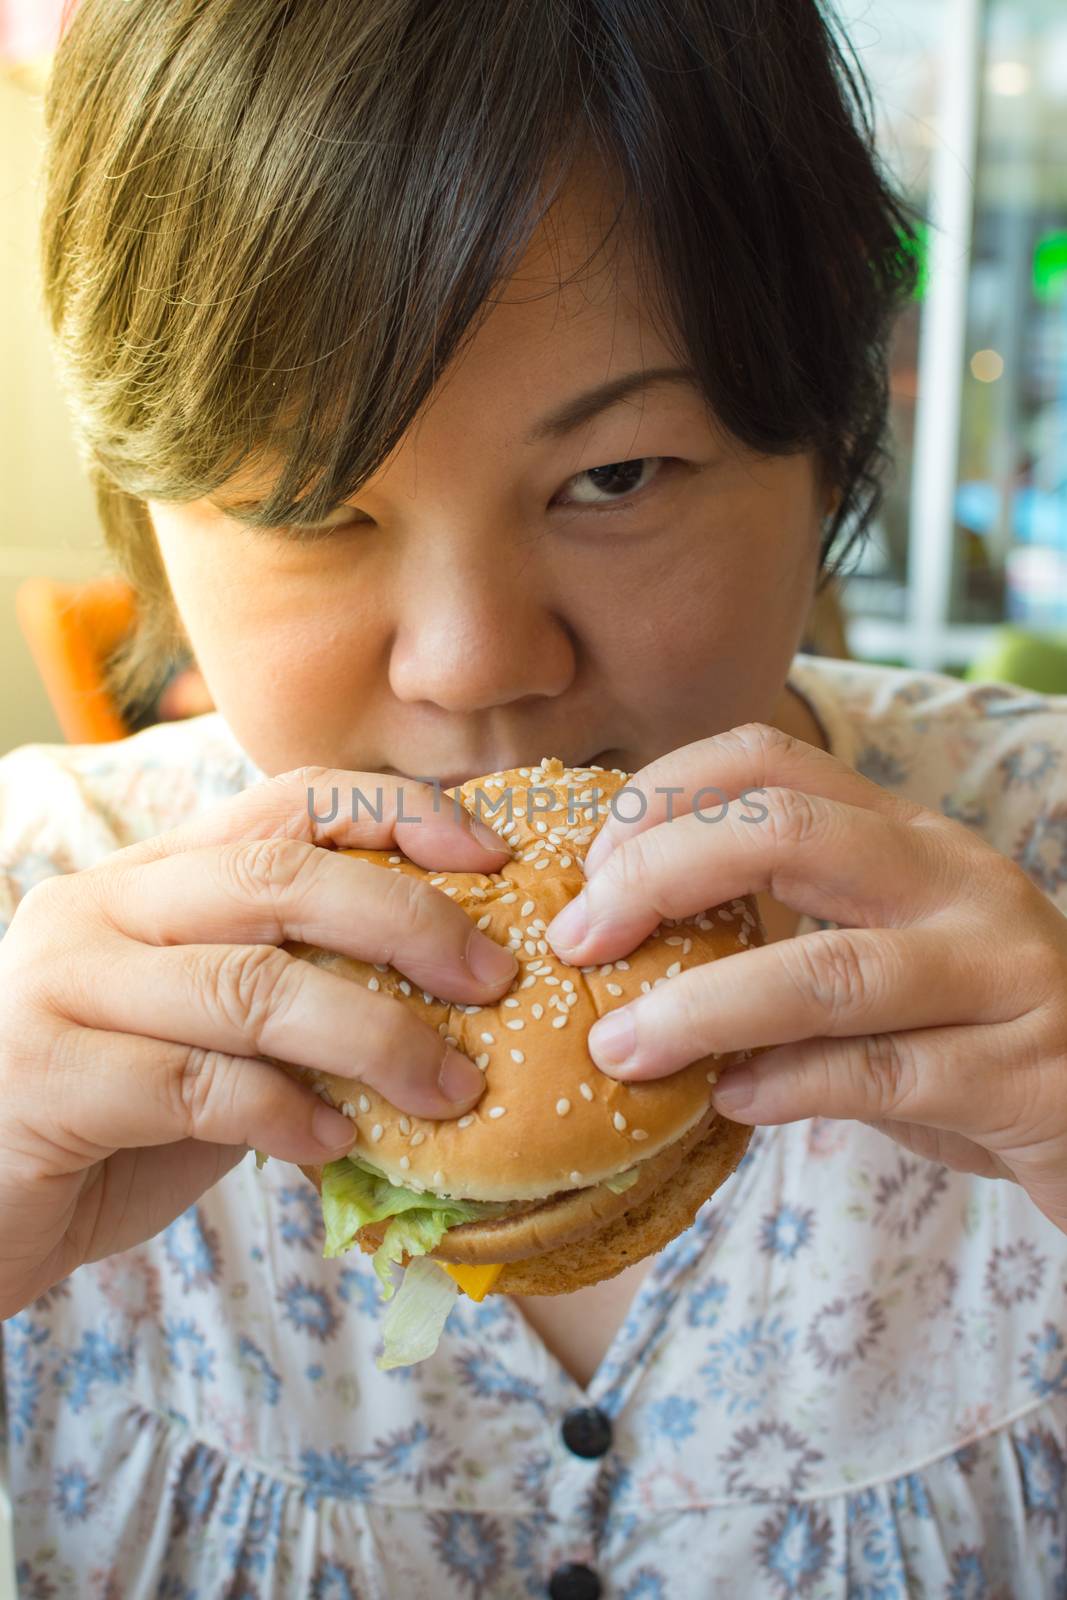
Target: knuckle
{"points": [[889, 1066], [273, 867], [196, 1088], [795, 817], [762, 741], [250, 987], [833, 975]]}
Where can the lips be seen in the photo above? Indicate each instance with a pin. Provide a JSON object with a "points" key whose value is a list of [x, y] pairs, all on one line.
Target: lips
{"points": [[453, 780]]}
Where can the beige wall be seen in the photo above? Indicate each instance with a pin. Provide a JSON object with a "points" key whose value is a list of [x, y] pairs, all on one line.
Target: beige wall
{"points": [[49, 524]]}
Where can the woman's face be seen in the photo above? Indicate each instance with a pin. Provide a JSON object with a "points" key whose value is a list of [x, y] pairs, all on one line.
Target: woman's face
{"points": [[502, 589]]}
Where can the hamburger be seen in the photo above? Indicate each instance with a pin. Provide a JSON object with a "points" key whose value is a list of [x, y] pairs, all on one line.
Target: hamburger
{"points": [[560, 1176]]}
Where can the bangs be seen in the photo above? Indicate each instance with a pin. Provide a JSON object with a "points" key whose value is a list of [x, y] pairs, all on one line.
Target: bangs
{"points": [[269, 227]]}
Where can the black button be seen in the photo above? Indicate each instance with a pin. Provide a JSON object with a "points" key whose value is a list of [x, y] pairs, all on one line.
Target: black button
{"points": [[587, 1431], [574, 1581]]}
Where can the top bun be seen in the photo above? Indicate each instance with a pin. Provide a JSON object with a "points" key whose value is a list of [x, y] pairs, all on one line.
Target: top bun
{"points": [[549, 1119]]}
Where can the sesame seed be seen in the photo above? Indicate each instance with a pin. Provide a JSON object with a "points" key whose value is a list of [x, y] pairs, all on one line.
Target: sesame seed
{"points": [[545, 861], [438, 880], [572, 999], [586, 1092], [438, 1179], [713, 1075], [417, 1137], [639, 1133], [568, 985], [646, 987], [487, 1038], [373, 983], [552, 980], [511, 1002], [558, 1022], [376, 1132], [528, 983], [607, 969], [675, 938], [482, 1061], [508, 899], [614, 988], [497, 1111], [542, 946], [405, 987], [405, 1126], [526, 907], [724, 915], [348, 1109], [465, 1122], [576, 1177], [452, 891], [517, 1056], [623, 966], [451, 1039], [405, 1162], [531, 948], [564, 861], [674, 969], [483, 922], [537, 1011], [427, 996], [364, 1104], [563, 1105], [620, 1121], [687, 945], [393, 860], [517, 1022]]}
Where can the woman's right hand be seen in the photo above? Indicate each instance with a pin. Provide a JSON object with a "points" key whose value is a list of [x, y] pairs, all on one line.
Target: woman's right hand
{"points": [[138, 996]]}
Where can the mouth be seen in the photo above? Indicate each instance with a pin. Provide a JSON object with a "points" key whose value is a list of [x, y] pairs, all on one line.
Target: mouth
{"points": [[453, 780]]}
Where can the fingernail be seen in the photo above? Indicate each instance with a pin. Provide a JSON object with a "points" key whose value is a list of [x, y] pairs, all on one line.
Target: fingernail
{"points": [[734, 1090], [331, 1129], [570, 926], [612, 1039], [489, 961], [459, 1079], [488, 836]]}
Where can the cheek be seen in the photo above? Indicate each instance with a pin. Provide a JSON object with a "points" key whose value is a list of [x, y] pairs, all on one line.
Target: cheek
{"points": [[281, 646]]}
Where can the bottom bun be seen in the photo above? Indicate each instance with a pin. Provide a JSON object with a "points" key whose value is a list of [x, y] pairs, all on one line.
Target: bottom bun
{"points": [[639, 1232], [643, 1228]]}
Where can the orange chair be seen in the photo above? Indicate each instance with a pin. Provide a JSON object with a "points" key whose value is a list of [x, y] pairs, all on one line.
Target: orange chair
{"points": [[71, 629]]}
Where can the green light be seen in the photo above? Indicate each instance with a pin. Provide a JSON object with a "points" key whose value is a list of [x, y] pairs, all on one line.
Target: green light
{"points": [[917, 244], [1050, 266]]}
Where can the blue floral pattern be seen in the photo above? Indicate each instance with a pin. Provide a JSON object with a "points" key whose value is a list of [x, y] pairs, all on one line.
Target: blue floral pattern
{"points": [[847, 1380]]}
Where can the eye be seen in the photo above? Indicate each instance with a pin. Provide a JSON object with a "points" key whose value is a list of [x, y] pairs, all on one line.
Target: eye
{"points": [[602, 487]]}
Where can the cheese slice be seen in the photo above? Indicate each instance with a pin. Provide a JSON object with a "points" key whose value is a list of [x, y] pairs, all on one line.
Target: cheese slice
{"points": [[475, 1282]]}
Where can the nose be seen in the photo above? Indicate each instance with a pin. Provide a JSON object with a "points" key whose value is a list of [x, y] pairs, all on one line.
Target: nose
{"points": [[471, 640]]}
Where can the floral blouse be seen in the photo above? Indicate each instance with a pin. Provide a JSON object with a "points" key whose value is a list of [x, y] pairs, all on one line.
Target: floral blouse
{"points": [[847, 1378]]}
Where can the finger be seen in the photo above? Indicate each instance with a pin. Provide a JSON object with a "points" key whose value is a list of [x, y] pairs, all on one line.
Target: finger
{"points": [[964, 1080], [833, 983], [267, 891], [836, 862], [104, 1091], [256, 1000], [711, 772], [327, 806]]}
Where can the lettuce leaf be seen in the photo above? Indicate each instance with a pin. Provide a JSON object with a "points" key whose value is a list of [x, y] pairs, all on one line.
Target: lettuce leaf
{"points": [[354, 1193], [261, 1160], [412, 1324]]}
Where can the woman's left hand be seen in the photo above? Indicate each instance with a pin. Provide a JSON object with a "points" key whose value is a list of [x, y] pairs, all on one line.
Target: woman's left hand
{"points": [[936, 1011]]}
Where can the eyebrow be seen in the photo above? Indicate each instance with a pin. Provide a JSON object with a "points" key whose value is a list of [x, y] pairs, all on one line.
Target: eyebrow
{"points": [[556, 425], [584, 407]]}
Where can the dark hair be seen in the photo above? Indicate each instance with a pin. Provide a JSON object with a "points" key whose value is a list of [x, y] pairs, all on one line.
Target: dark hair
{"points": [[270, 224]]}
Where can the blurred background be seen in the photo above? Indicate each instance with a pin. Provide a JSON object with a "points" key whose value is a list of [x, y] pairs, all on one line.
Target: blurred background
{"points": [[966, 571]]}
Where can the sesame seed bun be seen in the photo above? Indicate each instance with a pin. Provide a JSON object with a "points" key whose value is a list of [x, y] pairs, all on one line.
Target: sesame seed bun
{"points": [[549, 1122]]}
